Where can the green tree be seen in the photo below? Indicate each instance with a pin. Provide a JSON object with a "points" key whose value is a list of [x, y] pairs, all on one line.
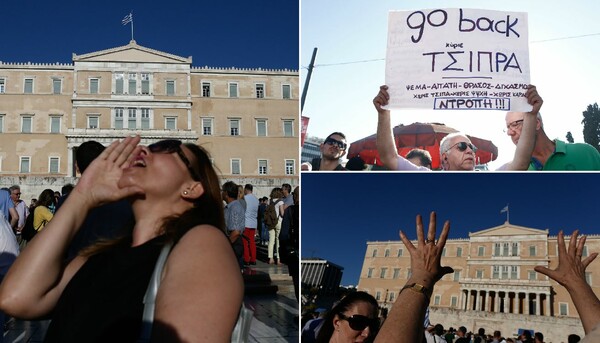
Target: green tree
{"points": [[570, 137], [591, 126]]}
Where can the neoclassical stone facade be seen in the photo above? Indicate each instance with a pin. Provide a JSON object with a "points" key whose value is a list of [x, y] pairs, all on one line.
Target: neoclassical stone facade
{"points": [[493, 276], [246, 118]]}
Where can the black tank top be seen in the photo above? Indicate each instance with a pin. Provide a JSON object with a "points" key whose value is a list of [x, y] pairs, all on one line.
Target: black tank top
{"points": [[103, 302]]}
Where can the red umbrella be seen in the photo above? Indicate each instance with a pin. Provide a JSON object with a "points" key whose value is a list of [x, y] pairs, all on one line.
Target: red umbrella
{"points": [[425, 136]]}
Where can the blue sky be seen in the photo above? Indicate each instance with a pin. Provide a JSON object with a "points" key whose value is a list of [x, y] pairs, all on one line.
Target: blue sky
{"points": [[342, 211], [340, 95], [243, 34]]}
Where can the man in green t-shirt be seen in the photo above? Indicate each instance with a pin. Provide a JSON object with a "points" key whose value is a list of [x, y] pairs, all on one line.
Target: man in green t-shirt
{"points": [[553, 154]]}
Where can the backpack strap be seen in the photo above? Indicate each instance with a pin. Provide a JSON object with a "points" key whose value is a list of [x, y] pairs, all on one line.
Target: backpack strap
{"points": [[151, 291]]}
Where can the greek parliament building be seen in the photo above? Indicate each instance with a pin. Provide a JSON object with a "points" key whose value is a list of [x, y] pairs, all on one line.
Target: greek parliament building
{"points": [[494, 285], [246, 118]]}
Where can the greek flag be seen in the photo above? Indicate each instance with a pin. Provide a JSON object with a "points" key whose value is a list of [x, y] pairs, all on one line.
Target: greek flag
{"points": [[505, 209], [128, 19]]}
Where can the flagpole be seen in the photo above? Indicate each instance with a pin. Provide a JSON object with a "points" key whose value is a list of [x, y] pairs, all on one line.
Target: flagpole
{"points": [[507, 213], [131, 13]]}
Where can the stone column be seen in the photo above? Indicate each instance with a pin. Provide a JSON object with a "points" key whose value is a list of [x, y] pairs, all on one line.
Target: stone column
{"points": [[487, 301], [547, 305], [526, 304], [469, 307], [538, 304], [515, 304], [477, 308], [497, 302]]}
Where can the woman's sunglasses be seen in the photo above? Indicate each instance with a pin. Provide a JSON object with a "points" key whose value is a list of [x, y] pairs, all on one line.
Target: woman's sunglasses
{"points": [[359, 322], [170, 146]]}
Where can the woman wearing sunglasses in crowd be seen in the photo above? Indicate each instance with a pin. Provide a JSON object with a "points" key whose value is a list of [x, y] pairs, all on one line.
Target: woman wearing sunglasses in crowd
{"points": [[352, 319], [98, 296]]}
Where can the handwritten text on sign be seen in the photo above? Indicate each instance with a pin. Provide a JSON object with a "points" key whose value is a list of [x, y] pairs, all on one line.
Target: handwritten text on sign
{"points": [[458, 59]]}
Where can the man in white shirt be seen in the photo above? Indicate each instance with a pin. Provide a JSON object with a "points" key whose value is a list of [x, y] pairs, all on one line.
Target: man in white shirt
{"points": [[251, 225]]}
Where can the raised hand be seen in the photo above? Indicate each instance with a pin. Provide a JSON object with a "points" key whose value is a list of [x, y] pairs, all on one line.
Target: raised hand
{"points": [[571, 267], [426, 256], [534, 99], [99, 183], [381, 99]]}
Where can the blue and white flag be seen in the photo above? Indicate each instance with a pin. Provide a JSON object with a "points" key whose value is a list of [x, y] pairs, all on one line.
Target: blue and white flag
{"points": [[505, 209], [128, 19]]}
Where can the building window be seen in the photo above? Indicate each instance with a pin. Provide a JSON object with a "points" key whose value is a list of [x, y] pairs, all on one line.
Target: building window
{"points": [[408, 273], [54, 124], [290, 166], [132, 83], [505, 249], [584, 252], [479, 273], [262, 167], [170, 87], [170, 123], [505, 272], [206, 89], [118, 118], [480, 251], [1, 122], [437, 299], [444, 252], [2, 86], [261, 127], [260, 90], [496, 272], [132, 118], [53, 165], [234, 127], [370, 273], [563, 309], [288, 128], [378, 295], [145, 83], [458, 252], [396, 273], [457, 275], [26, 122], [532, 275], [514, 272], [94, 86], [532, 250], [286, 91], [207, 126], [588, 278], [387, 253], [497, 249], [119, 83], [93, 122], [392, 297], [56, 86], [382, 274], [515, 249], [400, 252], [374, 253], [145, 118], [453, 301], [233, 89], [24, 166], [236, 168], [28, 86]]}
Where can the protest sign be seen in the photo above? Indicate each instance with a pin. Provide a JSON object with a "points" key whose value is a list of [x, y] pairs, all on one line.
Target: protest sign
{"points": [[457, 59]]}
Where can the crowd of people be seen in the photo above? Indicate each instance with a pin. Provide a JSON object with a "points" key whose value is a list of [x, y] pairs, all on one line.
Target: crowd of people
{"points": [[96, 245], [534, 150], [355, 317]]}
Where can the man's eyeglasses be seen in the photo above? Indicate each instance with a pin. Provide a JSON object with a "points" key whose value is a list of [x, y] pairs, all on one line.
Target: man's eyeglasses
{"points": [[513, 126], [462, 146], [359, 322], [17, 194], [340, 145], [170, 146]]}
